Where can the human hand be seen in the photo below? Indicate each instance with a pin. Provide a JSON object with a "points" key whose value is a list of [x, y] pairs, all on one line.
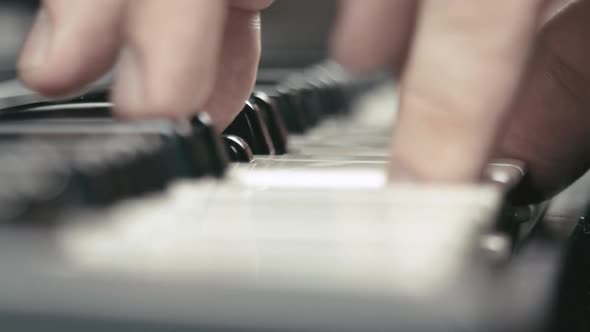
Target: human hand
{"points": [[472, 87], [467, 61], [175, 57]]}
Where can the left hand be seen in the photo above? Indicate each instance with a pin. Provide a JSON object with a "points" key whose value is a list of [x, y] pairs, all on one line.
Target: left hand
{"points": [[175, 57]]}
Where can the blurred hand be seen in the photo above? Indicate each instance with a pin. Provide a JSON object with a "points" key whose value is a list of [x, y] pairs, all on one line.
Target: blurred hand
{"points": [[175, 56], [479, 79], [472, 86]]}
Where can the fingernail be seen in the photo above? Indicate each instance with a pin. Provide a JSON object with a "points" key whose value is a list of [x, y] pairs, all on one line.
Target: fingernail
{"points": [[36, 48], [129, 93]]}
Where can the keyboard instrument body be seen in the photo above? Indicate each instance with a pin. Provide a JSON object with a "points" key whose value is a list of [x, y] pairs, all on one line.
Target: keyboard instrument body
{"points": [[309, 240], [307, 237]]}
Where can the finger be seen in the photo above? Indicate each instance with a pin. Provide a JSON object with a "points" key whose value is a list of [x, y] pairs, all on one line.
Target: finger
{"points": [[550, 125], [170, 64], [462, 75], [71, 44], [239, 59], [372, 33]]}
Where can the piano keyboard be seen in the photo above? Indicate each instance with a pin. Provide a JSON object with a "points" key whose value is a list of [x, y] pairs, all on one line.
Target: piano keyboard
{"points": [[283, 222]]}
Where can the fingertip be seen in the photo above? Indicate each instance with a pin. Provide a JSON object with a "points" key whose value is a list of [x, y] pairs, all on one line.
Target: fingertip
{"points": [[34, 63], [53, 81]]}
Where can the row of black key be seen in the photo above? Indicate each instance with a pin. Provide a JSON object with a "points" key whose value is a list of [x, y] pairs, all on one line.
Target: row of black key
{"points": [[73, 153], [98, 162]]}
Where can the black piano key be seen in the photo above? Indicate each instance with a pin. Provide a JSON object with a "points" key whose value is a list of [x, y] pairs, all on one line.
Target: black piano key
{"points": [[32, 102], [51, 111], [116, 174], [206, 148], [250, 126], [328, 98], [106, 169], [336, 99], [106, 161], [311, 105], [307, 98], [27, 189], [290, 110], [56, 172], [92, 97], [99, 179], [237, 149], [274, 121]]}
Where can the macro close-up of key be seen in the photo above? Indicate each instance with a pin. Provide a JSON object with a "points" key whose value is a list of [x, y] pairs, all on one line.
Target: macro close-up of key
{"points": [[289, 218]]}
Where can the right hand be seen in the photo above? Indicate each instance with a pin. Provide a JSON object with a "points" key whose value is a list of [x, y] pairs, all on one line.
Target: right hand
{"points": [[478, 80]]}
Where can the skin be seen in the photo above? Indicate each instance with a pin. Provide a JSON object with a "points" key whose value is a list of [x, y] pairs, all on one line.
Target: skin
{"points": [[175, 57], [479, 78]]}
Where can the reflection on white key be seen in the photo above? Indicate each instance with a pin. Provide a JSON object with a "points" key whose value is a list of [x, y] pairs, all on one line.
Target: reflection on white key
{"points": [[312, 179]]}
